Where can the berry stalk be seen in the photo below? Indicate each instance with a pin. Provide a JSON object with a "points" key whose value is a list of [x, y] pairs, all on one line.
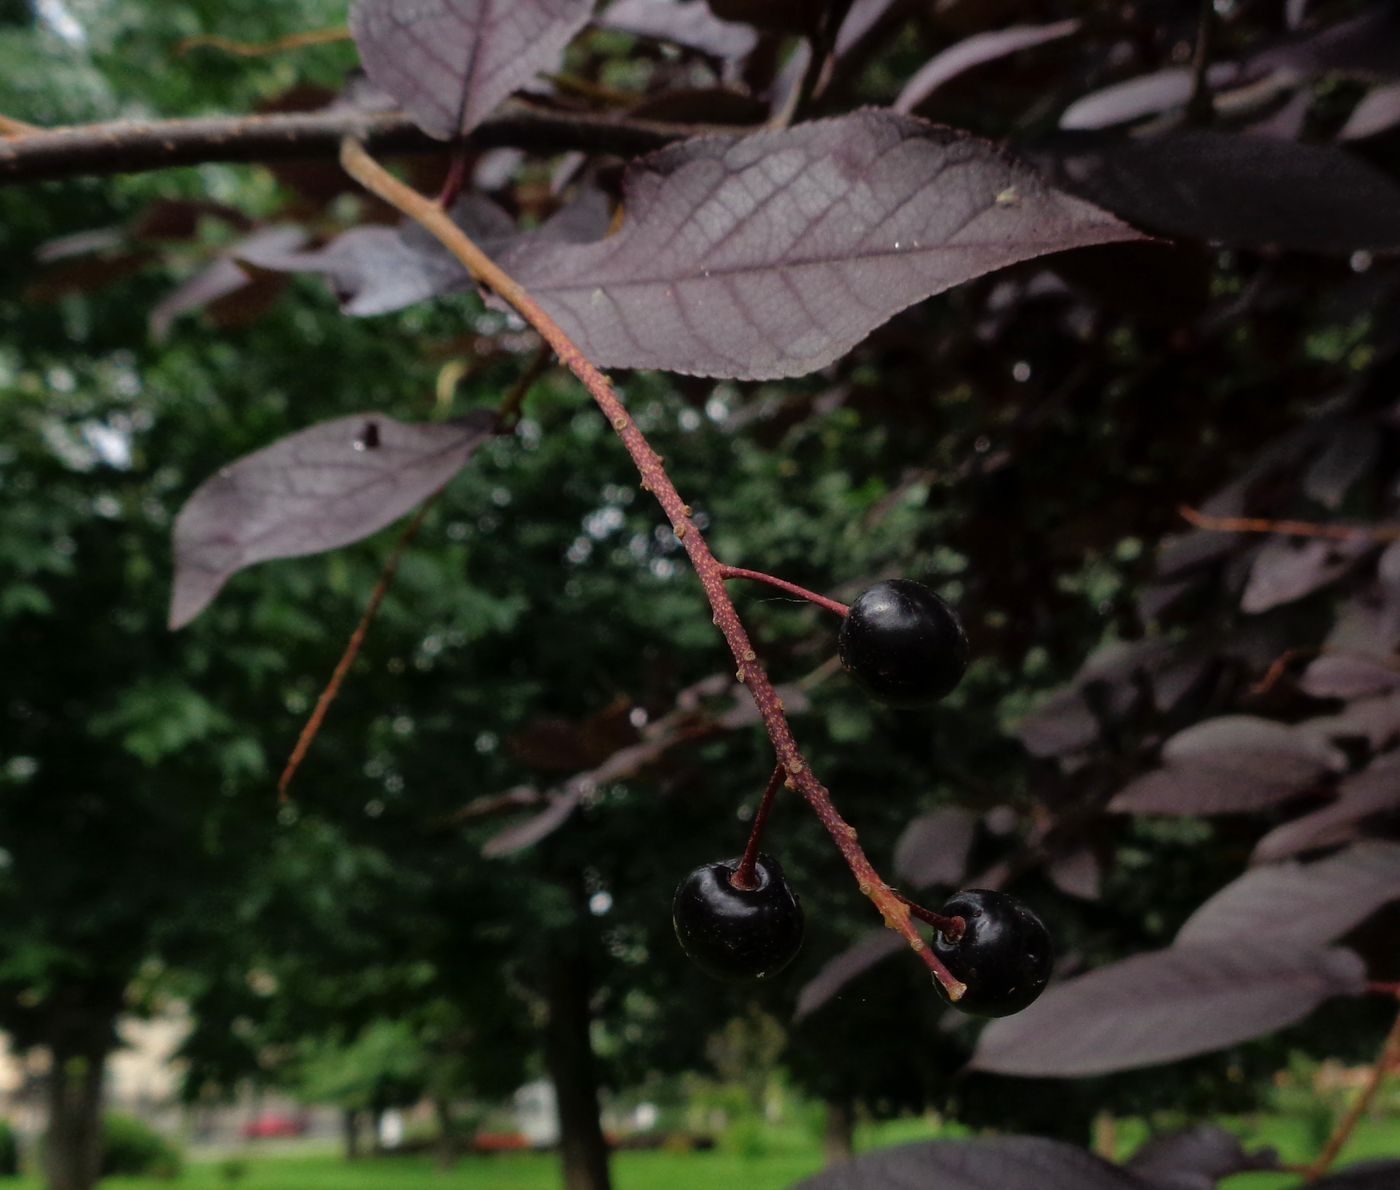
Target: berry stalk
{"points": [[435, 220], [744, 877], [757, 576]]}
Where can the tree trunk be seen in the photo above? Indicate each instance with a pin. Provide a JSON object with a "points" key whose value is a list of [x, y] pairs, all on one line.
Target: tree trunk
{"points": [[569, 1055], [839, 1142], [449, 1147], [73, 1139], [350, 1130]]}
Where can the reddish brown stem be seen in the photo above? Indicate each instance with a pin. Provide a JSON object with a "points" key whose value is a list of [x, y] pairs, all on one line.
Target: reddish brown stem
{"points": [[757, 576], [744, 877], [1248, 524], [435, 220], [950, 927], [456, 175], [261, 49], [1387, 1060]]}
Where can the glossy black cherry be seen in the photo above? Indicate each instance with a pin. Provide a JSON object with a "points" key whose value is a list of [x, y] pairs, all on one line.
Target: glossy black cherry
{"points": [[739, 935], [903, 644], [1004, 955]]}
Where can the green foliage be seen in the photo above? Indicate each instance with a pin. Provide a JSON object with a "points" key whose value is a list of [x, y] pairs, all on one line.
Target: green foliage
{"points": [[9, 1150], [131, 1148]]}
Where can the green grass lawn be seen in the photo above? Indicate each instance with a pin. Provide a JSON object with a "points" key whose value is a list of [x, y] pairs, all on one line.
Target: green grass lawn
{"points": [[789, 1158]]}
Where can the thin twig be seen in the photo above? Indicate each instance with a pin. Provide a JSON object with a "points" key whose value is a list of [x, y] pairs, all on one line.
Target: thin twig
{"points": [[352, 648], [1388, 1058], [435, 220], [9, 126], [1244, 524], [1200, 108], [743, 877], [262, 49], [128, 146], [510, 407], [757, 576], [950, 927]]}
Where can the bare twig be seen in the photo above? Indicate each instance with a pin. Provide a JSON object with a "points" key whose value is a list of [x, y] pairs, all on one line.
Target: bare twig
{"points": [[1245, 524], [1387, 1060], [352, 648], [131, 146], [262, 49], [12, 127], [1200, 108], [435, 220]]}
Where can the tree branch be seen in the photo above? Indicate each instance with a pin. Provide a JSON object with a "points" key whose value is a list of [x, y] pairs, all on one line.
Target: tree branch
{"points": [[435, 220], [130, 146], [1386, 1060]]}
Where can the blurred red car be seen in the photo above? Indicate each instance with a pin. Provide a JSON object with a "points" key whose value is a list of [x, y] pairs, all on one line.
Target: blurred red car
{"points": [[272, 1124]]}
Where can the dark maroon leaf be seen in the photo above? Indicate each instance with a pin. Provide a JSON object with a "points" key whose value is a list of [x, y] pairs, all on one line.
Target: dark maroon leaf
{"points": [[1285, 571], [1347, 457], [934, 847], [974, 51], [450, 62], [1338, 675], [80, 243], [1196, 1158], [1299, 904], [222, 277], [1077, 874], [1388, 567], [1366, 46], [1378, 111], [989, 1163], [1368, 1175], [772, 255], [784, 16], [312, 491], [526, 834], [838, 972], [1242, 191], [1166, 1005], [686, 22], [1228, 765], [1375, 790]]}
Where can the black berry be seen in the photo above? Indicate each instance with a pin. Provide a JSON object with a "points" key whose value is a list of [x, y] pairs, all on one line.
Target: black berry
{"points": [[1004, 955], [738, 934], [903, 644]]}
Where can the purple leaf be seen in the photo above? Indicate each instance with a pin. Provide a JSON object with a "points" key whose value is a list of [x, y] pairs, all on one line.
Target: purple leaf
{"points": [[1299, 904], [450, 62], [1166, 1005], [1368, 1175], [526, 834], [934, 847], [988, 1163], [377, 270], [1063, 723], [221, 278], [1230, 764], [1341, 676], [1347, 457], [1284, 572], [1378, 111], [1196, 1158], [974, 51], [1376, 720], [315, 490], [1375, 790], [1145, 95], [774, 254], [1366, 46], [1241, 191], [689, 23], [1077, 874], [838, 972]]}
